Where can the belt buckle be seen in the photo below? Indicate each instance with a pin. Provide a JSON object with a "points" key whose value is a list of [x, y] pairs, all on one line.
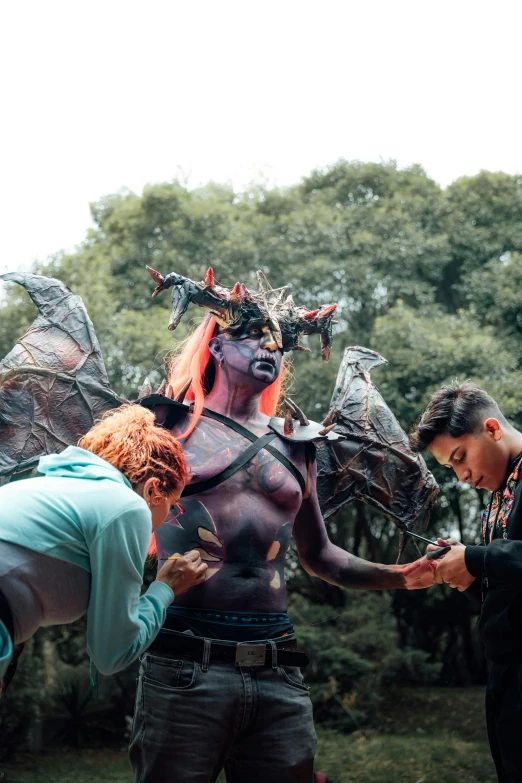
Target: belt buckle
{"points": [[250, 654]]}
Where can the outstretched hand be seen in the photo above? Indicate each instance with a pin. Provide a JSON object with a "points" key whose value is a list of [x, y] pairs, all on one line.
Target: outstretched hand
{"points": [[419, 574], [451, 568]]}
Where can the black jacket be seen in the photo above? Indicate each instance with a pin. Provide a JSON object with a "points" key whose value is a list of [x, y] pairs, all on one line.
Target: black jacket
{"points": [[499, 565]]}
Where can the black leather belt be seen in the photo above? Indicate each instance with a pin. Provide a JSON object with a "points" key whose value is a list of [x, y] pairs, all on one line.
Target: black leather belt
{"points": [[178, 645]]}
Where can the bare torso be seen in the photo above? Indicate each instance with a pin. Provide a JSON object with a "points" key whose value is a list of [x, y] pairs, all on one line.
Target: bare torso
{"points": [[242, 527]]}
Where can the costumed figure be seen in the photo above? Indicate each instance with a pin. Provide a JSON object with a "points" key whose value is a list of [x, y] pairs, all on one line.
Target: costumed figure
{"points": [[222, 685]]}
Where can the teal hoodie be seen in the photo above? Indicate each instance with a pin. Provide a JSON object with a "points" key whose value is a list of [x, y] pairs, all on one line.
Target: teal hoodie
{"points": [[84, 511]]}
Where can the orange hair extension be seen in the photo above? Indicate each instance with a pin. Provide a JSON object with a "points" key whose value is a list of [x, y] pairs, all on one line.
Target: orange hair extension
{"points": [[193, 362]]}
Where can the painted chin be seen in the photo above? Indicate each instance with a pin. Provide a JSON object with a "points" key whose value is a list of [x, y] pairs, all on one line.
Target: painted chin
{"points": [[264, 371]]}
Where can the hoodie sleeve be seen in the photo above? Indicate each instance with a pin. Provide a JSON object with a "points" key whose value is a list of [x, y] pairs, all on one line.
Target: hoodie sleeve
{"points": [[120, 624], [503, 562]]}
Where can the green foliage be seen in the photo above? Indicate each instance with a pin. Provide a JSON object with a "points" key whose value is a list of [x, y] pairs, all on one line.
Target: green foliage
{"points": [[349, 653], [22, 704], [411, 667], [73, 714]]}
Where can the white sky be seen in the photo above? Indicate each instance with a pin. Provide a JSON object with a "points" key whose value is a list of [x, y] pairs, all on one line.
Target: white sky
{"points": [[96, 96]]}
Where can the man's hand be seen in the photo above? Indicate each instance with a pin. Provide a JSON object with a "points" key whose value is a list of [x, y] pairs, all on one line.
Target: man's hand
{"points": [[451, 568], [183, 572], [419, 574]]}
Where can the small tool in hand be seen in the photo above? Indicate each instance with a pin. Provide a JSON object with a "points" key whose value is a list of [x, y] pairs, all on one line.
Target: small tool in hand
{"points": [[436, 553]]}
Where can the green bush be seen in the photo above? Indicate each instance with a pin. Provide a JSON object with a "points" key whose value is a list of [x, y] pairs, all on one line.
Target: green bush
{"points": [[21, 704], [411, 667], [349, 652]]}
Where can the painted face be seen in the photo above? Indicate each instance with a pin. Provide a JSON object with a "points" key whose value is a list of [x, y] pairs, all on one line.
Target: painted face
{"points": [[481, 460], [255, 356]]}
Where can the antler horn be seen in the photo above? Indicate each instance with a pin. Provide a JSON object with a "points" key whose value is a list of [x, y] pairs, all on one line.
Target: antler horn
{"points": [[288, 426], [326, 430], [298, 413], [158, 279], [145, 389], [181, 396]]}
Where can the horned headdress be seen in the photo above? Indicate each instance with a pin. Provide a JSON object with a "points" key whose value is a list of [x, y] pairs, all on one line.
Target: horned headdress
{"points": [[237, 310]]}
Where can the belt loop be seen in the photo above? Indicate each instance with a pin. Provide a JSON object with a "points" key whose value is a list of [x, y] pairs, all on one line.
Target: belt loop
{"points": [[274, 654], [206, 655]]}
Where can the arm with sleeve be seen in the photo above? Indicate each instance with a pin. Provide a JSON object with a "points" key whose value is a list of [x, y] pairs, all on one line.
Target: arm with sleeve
{"points": [[500, 561], [120, 623]]}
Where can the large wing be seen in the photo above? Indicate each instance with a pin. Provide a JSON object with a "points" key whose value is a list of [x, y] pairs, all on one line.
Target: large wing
{"points": [[374, 462], [53, 383]]}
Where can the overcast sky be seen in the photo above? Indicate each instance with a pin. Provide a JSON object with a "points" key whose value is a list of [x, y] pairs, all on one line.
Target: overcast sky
{"points": [[97, 96]]}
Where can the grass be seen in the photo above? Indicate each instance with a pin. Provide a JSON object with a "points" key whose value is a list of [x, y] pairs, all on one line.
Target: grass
{"points": [[433, 735]]}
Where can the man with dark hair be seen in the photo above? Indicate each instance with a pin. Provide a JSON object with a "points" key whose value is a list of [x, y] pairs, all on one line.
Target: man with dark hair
{"points": [[464, 429]]}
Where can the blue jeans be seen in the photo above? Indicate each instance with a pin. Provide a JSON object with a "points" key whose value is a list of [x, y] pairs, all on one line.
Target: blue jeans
{"points": [[191, 721]]}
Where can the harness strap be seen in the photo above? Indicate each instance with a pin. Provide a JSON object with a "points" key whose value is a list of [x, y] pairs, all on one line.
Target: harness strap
{"points": [[235, 465], [250, 435], [258, 443]]}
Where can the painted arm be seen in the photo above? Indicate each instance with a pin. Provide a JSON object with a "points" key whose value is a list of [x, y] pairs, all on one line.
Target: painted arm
{"points": [[319, 557]]}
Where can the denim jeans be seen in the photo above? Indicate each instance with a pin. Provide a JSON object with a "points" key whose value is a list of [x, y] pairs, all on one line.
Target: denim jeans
{"points": [[190, 723]]}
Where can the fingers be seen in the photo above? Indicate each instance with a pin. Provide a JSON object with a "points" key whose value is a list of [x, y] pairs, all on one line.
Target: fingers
{"points": [[192, 555], [201, 570], [408, 568]]}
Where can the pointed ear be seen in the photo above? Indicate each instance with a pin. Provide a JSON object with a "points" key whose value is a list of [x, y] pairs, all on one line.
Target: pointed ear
{"points": [[493, 428], [215, 346]]}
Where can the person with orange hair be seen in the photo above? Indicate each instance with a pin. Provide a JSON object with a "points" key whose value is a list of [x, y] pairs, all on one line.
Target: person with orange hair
{"points": [[221, 686], [75, 540]]}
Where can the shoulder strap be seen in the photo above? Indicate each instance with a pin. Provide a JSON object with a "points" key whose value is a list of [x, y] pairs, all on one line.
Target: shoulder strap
{"points": [[235, 465], [250, 435], [230, 423], [191, 489]]}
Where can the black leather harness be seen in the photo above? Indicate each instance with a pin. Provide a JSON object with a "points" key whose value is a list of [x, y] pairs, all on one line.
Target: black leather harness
{"points": [[258, 443]]}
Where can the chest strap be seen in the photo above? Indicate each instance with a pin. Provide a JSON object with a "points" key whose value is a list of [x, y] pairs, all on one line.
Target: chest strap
{"points": [[258, 443]]}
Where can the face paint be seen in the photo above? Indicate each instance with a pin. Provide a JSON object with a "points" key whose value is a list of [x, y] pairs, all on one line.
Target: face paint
{"points": [[247, 357]]}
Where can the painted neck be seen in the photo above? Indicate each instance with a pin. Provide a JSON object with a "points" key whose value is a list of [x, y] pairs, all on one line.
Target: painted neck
{"points": [[237, 398]]}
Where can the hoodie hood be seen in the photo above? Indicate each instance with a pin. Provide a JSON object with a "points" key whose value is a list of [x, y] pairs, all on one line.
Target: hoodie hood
{"points": [[78, 463]]}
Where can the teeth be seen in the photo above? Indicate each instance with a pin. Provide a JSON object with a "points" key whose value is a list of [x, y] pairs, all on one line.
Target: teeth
{"points": [[266, 356]]}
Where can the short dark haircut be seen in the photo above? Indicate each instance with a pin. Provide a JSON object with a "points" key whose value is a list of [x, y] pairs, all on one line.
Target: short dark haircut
{"points": [[455, 409]]}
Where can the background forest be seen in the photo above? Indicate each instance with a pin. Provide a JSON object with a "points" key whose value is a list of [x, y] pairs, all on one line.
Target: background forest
{"points": [[429, 278]]}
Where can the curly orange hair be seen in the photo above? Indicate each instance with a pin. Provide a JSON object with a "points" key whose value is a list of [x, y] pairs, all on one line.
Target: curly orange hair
{"points": [[129, 439], [194, 362]]}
